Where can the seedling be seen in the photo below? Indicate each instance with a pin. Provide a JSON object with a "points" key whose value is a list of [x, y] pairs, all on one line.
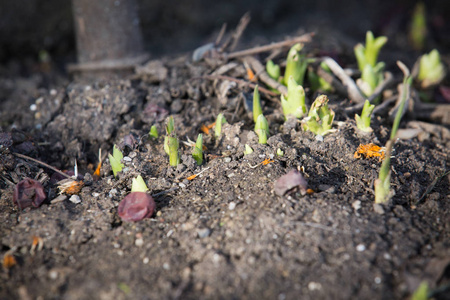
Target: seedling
{"points": [[294, 105], [262, 129], [363, 121], [371, 77], [115, 160], [383, 183], [422, 291], [418, 29], [296, 65], [320, 117], [248, 149], [170, 127], [273, 70], [219, 122], [197, 152], [257, 110], [280, 152], [153, 132], [171, 143], [368, 54], [138, 185], [431, 69]]}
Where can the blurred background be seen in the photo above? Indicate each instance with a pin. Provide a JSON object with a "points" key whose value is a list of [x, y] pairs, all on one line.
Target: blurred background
{"points": [[31, 30]]}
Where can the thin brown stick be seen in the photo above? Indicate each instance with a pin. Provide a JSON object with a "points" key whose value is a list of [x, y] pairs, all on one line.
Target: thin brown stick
{"points": [[243, 22], [261, 73], [238, 81], [41, 163], [221, 34], [305, 38]]}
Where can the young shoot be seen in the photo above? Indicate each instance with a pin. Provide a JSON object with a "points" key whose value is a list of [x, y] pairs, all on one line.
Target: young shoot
{"points": [[431, 69], [363, 121], [273, 70], [248, 149], [115, 160], [371, 77], [320, 117], [257, 110], [294, 103], [197, 152], [174, 158], [219, 122], [383, 183], [262, 129], [368, 54], [170, 127], [138, 185], [418, 29], [296, 65], [153, 132], [280, 152]]}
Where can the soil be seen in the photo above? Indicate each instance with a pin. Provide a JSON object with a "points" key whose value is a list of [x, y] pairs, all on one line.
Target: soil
{"points": [[224, 234]]}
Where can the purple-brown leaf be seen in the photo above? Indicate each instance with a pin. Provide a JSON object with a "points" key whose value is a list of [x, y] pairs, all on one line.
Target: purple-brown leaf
{"points": [[289, 181], [28, 192], [136, 206]]}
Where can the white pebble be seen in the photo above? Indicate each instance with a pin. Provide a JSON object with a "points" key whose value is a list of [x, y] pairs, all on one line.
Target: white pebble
{"points": [[33, 107], [319, 138], [75, 199], [314, 286], [146, 260], [139, 242], [232, 205], [377, 280], [360, 248]]}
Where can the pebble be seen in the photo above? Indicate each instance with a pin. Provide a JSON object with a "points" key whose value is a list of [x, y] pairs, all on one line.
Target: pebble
{"points": [[319, 138], [314, 286], [203, 232], [75, 199], [227, 159], [139, 242], [360, 248], [182, 185], [378, 208], [127, 158], [232, 206], [356, 205]]}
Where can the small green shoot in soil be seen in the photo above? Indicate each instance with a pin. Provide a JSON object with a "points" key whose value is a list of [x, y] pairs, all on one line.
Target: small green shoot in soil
{"points": [[296, 65], [153, 132], [115, 160], [197, 152], [171, 143], [280, 152], [294, 104], [421, 293], [418, 28], [320, 117], [431, 69], [219, 122], [257, 110], [273, 70], [383, 183], [138, 185], [248, 149], [170, 127], [368, 54], [371, 77], [262, 129], [363, 121]]}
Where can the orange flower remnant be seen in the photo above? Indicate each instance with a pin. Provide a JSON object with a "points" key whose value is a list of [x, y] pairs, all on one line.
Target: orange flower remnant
{"points": [[369, 151]]}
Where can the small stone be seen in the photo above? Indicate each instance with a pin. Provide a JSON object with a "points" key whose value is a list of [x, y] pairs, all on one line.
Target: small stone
{"points": [[139, 242], [53, 274], [75, 199], [360, 248], [127, 159], [182, 185], [314, 286], [227, 159], [319, 138], [356, 205], [203, 233], [145, 260], [60, 198], [232, 206]]}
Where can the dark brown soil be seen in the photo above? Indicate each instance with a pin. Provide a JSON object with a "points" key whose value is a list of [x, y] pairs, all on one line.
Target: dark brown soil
{"points": [[223, 234]]}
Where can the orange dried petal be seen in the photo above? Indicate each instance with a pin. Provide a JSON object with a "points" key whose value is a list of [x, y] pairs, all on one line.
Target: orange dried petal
{"points": [[267, 161], [191, 177], [204, 129], [9, 261]]}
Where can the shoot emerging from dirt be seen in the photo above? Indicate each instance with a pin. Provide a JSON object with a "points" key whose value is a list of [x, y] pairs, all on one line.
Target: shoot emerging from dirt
{"points": [[153, 132], [171, 143], [363, 121], [418, 28], [248, 149], [296, 65], [138, 185], [170, 127], [320, 117], [115, 160], [273, 70], [383, 183], [431, 69], [294, 103], [197, 152], [257, 110], [219, 122], [262, 129], [368, 54], [318, 83]]}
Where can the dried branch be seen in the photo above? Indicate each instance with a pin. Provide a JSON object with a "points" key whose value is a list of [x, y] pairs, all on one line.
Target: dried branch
{"points": [[260, 71]]}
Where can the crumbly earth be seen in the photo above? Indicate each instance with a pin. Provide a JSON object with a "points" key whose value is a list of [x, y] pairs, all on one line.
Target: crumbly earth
{"points": [[223, 234]]}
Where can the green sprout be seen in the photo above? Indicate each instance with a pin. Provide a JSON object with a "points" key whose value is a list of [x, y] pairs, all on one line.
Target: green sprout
{"points": [[296, 65], [383, 183], [273, 70], [371, 77], [418, 29], [368, 54], [115, 160], [363, 121], [318, 83], [431, 69], [197, 152], [421, 293], [294, 105], [280, 152], [153, 132], [257, 110], [219, 122], [262, 129], [248, 149], [170, 127], [138, 185], [320, 117]]}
